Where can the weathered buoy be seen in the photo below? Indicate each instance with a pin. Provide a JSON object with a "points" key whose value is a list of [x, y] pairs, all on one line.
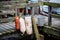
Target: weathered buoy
{"points": [[28, 25], [22, 25]]}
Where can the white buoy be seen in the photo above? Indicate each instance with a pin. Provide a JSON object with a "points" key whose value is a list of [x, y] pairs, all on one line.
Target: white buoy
{"points": [[36, 18], [41, 20], [22, 25], [28, 25]]}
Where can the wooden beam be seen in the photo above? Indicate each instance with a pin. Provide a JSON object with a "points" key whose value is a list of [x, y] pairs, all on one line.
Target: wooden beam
{"points": [[51, 4], [36, 29], [33, 4]]}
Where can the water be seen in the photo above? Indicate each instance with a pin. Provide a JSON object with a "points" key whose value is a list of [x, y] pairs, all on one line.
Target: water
{"points": [[54, 9]]}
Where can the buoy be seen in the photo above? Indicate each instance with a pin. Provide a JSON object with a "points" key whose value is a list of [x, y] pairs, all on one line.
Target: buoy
{"points": [[28, 23], [22, 25], [41, 20], [29, 11], [36, 18], [17, 23]]}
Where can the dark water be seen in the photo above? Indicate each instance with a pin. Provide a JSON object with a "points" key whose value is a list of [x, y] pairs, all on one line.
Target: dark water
{"points": [[50, 37], [16, 36], [31, 37]]}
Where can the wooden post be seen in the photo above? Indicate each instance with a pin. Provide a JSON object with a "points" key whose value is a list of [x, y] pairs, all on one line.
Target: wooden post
{"points": [[35, 26], [36, 29], [49, 16]]}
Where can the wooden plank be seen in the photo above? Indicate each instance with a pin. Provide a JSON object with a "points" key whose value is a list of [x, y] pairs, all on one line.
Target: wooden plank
{"points": [[36, 29], [33, 4], [51, 4], [52, 31], [20, 0]]}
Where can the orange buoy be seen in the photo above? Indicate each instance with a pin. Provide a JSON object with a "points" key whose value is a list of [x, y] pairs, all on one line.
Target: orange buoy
{"points": [[17, 23]]}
